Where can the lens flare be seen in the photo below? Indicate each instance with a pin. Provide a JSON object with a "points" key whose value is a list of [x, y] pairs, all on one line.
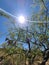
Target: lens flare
{"points": [[21, 19]]}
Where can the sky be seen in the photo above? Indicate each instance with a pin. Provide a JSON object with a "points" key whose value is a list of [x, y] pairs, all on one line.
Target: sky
{"points": [[15, 7]]}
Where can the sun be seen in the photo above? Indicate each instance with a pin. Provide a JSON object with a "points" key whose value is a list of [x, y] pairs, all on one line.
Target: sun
{"points": [[21, 19]]}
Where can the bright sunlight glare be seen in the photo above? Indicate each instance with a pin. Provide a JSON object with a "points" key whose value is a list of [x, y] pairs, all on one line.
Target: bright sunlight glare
{"points": [[21, 19]]}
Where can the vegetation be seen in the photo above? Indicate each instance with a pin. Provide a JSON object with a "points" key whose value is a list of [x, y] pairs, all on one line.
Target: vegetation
{"points": [[35, 36]]}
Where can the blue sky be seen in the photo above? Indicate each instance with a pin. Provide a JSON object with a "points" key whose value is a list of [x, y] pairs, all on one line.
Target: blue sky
{"points": [[14, 7]]}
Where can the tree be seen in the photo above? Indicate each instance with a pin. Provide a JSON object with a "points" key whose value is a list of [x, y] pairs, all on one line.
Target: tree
{"points": [[35, 34], [42, 15]]}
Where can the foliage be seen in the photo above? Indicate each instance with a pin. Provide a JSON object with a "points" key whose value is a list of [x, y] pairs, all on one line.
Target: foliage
{"points": [[34, 35]]}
